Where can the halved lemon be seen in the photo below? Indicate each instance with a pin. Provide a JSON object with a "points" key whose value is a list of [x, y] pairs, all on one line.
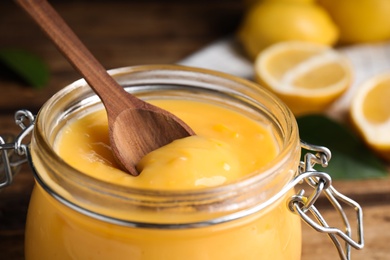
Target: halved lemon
{"points": [[308, 77], [370, 113]]}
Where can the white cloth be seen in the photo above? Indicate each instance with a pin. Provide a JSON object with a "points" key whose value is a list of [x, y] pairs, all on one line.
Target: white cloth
{"points": [[367, 60]]}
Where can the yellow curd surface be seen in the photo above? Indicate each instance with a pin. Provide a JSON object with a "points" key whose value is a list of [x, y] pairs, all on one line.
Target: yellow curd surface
{"points": [[227, 147]]}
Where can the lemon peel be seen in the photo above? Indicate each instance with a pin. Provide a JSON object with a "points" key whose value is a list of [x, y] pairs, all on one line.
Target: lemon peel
{"points": [[267, 23], [360, 21]]}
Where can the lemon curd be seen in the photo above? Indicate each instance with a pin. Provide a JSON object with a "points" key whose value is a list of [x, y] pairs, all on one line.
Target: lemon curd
{"points": [[225, 148], [200, 197]]}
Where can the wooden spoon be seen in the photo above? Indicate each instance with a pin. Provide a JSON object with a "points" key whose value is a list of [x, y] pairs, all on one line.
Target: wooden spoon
{"points": [[135, 127]]}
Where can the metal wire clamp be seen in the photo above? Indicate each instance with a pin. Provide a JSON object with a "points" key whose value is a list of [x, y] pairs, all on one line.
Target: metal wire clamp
{"points": [[321, 182], [13, 153]]}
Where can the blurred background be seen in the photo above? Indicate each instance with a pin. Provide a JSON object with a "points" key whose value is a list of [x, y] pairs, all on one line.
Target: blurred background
{"points": [[118, 33]]}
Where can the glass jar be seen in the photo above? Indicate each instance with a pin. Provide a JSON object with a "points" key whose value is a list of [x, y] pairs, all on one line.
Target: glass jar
{"points": [[75, 216]]}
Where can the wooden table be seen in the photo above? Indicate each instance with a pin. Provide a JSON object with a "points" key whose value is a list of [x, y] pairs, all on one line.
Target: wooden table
{"points": [[123, 33]]}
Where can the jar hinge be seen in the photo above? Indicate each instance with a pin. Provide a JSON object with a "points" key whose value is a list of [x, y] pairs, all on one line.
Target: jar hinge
{"points": [[13, 150], [321, 182]]}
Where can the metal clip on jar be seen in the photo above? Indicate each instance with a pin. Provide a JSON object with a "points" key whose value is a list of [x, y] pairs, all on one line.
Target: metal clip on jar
{"points": [[76, 216]]}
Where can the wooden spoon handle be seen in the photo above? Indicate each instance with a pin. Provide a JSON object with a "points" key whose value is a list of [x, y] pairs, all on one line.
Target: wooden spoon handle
{"points": [[76, 52]]}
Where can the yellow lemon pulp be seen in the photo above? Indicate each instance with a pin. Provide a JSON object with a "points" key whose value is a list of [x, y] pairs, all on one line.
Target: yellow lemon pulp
{"points": [[370, 112], [360, 21], [267, 23], [308, 77], [376, 107]]}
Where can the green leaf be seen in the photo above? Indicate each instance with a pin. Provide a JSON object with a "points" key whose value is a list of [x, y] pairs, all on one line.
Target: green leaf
{"points": [[351, 159], [29, 67]]}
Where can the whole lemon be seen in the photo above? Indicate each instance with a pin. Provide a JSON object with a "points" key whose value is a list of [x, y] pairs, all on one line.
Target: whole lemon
{"points": [[270, 22], [360, 20]]}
